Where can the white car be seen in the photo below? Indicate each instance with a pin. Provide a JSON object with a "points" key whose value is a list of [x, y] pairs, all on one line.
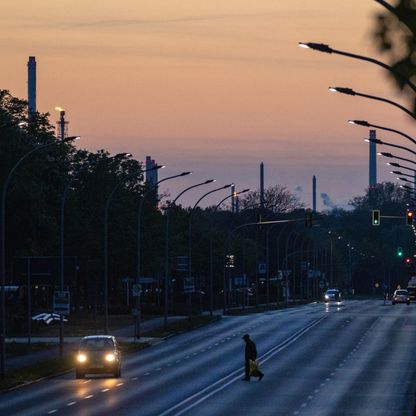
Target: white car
{"points": [[400, 296], [332, 295]]}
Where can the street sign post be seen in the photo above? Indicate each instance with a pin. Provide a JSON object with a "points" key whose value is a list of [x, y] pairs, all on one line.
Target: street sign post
{"points": [[188, 285], [61, 302]]}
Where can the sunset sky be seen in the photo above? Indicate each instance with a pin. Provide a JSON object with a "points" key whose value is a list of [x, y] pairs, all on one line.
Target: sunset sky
{"points": [[211, 86]]}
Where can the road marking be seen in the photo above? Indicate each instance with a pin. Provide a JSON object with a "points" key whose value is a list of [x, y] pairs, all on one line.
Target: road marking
{"points": [[71, 404], [119, 384], [204, 394], [147, 374], [104, 390], [89, 396], [86, 381], [158, 369], [303, 405], [135, 378], [52, 411]]}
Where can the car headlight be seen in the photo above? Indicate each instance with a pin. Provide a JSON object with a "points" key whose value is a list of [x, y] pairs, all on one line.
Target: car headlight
{"points": [[81, 358], [110, 357], [326, 297]]}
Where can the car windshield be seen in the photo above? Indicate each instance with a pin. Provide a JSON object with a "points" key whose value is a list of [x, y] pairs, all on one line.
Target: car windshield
{"points": [[96, 344], [401, 292], [331, 292]]}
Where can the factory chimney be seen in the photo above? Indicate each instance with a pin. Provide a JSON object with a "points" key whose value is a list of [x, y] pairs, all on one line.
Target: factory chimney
{"points": [[31, 85]]}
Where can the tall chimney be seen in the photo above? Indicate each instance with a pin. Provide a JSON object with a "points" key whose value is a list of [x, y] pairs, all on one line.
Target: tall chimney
{"points": [[314, 193], [262, 185], [31, 85], [372, 161], [233, 199]]}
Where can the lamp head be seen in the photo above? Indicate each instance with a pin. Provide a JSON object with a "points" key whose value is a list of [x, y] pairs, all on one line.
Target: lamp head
{"points": [[396, 165], [342, 90], [185, 173], [359, 123], [71, 138], [321, 47], [210, 181], [385, 154]]}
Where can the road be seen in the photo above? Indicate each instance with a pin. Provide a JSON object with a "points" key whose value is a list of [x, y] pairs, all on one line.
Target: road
{"points": [[356, 359]]}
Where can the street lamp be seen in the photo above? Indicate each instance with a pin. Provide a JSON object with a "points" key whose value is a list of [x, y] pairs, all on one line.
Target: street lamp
{"points": [[349, 91], [211, 262], [386, 154], [3, 248], [321, 47], [190, 236], [167, 285], [367, 124], [107, 206], [378, 141], [139, 219]]}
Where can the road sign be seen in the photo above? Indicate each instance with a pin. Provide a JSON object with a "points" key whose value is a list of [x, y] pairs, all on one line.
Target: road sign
{"points": [[136, 289], [61, 302], [182, 263], [188, 285]]}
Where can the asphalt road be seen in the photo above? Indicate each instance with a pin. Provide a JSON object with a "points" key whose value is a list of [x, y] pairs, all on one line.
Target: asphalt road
{"points": [[356, 359]]}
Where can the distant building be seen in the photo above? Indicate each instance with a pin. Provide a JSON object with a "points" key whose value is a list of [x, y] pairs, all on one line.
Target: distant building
{"points": [[372, 161], [151, 175], [31, 85]]}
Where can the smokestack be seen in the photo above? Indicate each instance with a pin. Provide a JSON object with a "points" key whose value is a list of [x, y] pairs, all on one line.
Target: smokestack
{"points": [[233, 199], [151, 175], [31, 85], [314, 193], [262, 185], [372, 161]]}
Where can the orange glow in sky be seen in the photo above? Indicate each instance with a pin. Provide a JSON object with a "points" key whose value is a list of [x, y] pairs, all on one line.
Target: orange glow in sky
{"points": [[214, 86]]}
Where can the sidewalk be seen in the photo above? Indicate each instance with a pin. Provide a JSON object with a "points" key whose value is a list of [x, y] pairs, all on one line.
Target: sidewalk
{"points": [[71, 343]]}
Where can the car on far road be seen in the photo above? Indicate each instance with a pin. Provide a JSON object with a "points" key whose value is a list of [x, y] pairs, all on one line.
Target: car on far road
{"points": [[400, 296], [98, 354], [332, 295]]}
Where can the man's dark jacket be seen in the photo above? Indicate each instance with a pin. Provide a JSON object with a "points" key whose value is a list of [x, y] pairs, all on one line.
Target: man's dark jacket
{"points": [[251, 351]]}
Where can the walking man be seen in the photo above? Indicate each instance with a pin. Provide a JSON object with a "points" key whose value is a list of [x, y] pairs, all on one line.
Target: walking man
{"points": [[250, 355]]}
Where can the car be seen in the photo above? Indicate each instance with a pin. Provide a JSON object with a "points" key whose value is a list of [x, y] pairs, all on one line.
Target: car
{"points": [[98, 354], [332, 295], [400, 296]]}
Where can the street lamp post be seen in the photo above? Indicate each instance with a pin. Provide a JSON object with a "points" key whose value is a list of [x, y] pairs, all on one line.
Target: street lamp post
{"points": [[365, 123], [321, 47], [349, 91], [3, 249], [138, 266], [190, 238], [211, 256], [167, 285], [107, 206], [381, 142]]}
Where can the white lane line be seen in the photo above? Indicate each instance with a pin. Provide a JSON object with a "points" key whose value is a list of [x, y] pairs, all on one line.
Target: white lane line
{"points": [[178, 361], [303, 405], [119, 384], [147, 374], [89, 396], [169, 364], [86, 381], [158, 369], [52, 411], [135, 378], [104, 390], [310, 397], [71, 404], [221, 384]]}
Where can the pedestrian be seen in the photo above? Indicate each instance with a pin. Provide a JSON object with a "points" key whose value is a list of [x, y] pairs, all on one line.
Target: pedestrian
{"points": [[250, 354]]}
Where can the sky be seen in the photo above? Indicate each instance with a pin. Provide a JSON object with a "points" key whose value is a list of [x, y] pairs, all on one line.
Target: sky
{"points": [[216, 87]]}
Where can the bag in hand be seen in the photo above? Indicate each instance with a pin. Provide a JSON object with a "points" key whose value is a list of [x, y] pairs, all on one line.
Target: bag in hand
{"points": [[254, 368]]}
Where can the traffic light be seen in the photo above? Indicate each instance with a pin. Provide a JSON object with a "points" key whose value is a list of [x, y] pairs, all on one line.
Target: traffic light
{"points": [[308, 219], [408, 261], [376, 217], [399, 252], [409, 217]]}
